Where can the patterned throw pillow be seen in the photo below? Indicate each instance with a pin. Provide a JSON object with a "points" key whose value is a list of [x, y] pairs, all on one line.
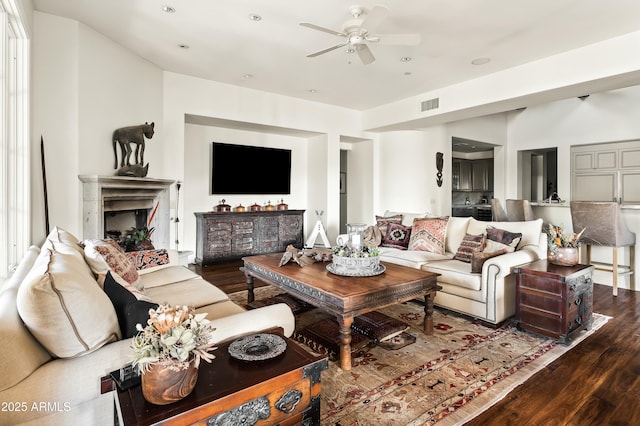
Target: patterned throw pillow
{"points": [[397, 236], [428, 234], [469, 245], [383, 221], [106, 255], [478, 259], [505, 237], [144, 259]]}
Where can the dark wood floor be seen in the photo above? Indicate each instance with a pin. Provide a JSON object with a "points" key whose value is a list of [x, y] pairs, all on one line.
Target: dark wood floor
{"points": [[596, 383]]}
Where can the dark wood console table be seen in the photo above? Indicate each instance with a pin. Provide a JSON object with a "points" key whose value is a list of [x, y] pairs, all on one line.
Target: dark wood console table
{"points": [[224, 236]]}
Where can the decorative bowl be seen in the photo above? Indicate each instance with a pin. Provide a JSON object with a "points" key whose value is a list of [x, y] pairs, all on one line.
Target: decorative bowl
{"points": [[564, 256]]}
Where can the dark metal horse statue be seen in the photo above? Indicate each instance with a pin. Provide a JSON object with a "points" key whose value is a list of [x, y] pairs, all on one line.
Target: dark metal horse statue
{"points": [[125, 136]]}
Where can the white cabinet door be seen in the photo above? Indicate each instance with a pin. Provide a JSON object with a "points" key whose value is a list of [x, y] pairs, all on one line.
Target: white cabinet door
{"points": [[595, 186], [630, 187]]}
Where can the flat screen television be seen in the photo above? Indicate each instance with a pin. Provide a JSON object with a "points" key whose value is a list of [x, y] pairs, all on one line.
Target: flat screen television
{"points": [[243, 169]]}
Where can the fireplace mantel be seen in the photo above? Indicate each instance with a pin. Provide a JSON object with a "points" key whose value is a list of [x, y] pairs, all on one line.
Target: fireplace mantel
{"points": [[102, 194]]}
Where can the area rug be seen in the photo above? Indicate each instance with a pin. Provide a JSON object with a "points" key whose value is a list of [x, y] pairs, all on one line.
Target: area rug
{"points": [[445, 379]]}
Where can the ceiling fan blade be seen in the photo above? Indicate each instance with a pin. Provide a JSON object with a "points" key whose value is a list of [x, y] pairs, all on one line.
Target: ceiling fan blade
{"points": [[365, 54], [375, 17], [396, 39], [329, 49], [323, 29]]}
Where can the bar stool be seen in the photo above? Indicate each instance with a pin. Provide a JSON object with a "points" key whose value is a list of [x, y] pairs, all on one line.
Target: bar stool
{"points": [[499, 213], [604, 226], [519, 210]]}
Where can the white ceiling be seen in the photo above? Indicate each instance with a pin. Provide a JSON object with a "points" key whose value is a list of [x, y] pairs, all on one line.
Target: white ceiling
{"points": [[225, 45]]}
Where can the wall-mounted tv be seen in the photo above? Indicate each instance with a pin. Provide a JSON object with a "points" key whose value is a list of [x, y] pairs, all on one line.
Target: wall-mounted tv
{"points": [[243, 169]]}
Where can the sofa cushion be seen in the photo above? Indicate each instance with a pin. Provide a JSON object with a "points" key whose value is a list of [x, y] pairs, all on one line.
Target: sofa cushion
{"points": [[503, 236], [407, 218], [129, 310], [478, 258], [456, 230], [397, 236], [63, 306], [169, 275], [530, 230], [195, 292], [428, 234], [469, 245], [410, 258], [106, 255], [383, 221], [16, 365], [456, 273]]}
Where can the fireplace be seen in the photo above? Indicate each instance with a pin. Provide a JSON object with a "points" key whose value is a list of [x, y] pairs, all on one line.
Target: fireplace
{"points": [[112, 205]]}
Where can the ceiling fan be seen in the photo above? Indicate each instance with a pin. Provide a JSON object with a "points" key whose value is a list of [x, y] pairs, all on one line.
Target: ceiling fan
{"points": [[357, 36]]}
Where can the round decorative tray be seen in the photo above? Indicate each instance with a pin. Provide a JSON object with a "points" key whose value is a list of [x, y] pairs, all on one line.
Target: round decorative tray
{"points": [[257, 347], [356, 272]]}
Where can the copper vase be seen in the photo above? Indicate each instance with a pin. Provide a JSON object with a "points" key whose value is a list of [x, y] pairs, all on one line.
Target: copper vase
{"points": [[164, 384], [564, 256]]}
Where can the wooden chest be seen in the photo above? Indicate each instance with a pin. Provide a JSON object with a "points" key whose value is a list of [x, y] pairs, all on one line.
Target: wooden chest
{"points": [[224, 236], [284, 390], [556, 301]]}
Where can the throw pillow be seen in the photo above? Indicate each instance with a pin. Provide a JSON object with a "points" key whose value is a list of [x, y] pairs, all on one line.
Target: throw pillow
{"points": [[144, 259], [106, 255], [382, 222], [490, 245], [129, 310], [63, 306], [505, 237], [469, 245], [478, 259], [427, 234], [372, 237], [397, 236]]}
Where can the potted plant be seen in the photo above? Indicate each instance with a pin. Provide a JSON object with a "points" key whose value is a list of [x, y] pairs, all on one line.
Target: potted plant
{"points": [[563, 246], [168, 350], [139, 239]]}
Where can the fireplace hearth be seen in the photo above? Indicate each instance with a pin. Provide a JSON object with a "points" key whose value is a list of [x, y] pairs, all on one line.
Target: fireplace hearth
{"points": [[112, 205]]}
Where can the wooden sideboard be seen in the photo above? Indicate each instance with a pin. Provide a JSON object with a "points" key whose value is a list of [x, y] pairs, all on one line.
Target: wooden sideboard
{"points": [[224, 236]]}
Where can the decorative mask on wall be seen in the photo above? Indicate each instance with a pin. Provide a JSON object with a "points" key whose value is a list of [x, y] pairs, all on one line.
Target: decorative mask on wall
{"points": [[439, 164]]}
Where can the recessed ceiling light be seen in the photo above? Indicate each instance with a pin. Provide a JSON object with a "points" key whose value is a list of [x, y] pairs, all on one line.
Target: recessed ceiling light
{"points": [[168, 9], [313, 91], [248, 75], [405, 59], [255, 17], [480, 61], [183, 46], [407, 73]]}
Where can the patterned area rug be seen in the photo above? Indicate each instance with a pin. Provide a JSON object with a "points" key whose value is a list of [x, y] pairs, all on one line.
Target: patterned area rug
{"points": [[444, 379]]}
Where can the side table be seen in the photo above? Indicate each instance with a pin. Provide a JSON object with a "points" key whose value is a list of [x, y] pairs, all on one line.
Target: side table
{"points": [[283, 390], [556, 301]]}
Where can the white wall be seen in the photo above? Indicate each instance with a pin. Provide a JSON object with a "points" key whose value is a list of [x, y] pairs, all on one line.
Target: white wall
{"points": [[197, 154], [84, 87]]}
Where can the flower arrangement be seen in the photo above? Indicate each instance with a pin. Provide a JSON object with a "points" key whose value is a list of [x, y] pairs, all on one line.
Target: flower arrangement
{"points": [[348, 251], [557, 237], [171, 337]]}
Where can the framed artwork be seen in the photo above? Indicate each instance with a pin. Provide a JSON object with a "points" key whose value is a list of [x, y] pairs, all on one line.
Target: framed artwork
{"points": [[343, 183]]}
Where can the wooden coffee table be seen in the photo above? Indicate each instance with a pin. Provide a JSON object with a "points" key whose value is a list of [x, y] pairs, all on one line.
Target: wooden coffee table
{"points": [[344, 297], [282, 390]]}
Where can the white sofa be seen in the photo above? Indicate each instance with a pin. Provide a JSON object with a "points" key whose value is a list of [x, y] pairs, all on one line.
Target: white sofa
{"points": [[488, 296], [39, 388]]}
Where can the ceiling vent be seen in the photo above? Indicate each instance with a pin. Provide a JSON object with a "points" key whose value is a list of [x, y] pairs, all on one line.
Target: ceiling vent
{"points": [[430, 104]]}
